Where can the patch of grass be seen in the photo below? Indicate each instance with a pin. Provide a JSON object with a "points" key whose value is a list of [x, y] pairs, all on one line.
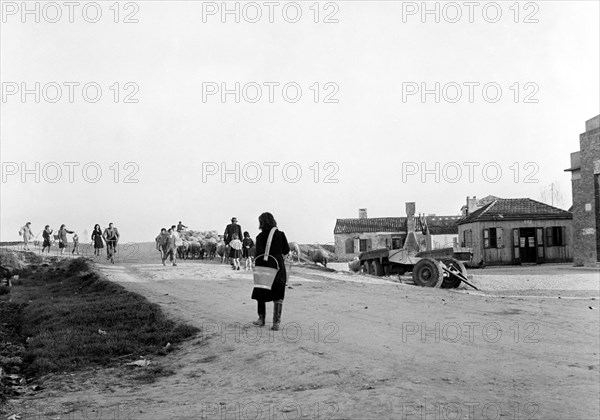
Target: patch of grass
{"points": [[74, 319]]}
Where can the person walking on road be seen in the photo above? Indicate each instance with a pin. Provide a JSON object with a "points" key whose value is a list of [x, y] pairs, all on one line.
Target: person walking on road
{"points": [[236, 251], [279, 248], [27, 235], [46, 235], [163, 244], [97, 239], [175, 242], [248, 250], [231, 229], [75, 245], [63, 240]]}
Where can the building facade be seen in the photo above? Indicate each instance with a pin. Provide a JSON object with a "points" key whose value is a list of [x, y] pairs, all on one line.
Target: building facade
{"points": [[356, 235], [585, 182], [515, 231]]}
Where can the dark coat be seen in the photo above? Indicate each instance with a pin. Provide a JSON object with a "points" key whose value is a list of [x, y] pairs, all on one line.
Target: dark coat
{"points": [[46, 236], [97, 238], [279, 248], [230, 230]]}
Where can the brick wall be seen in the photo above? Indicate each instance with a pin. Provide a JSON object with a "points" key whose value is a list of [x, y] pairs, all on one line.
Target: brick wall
{"points": [[586, 208]]}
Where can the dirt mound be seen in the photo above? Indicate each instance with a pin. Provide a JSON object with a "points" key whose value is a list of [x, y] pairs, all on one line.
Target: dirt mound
{"points": [[17, 262]]}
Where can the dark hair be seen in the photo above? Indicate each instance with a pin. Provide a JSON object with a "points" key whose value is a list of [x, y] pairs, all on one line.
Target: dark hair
{"points": [[162, 230], [46, 227], [97, 226], [62, 226], [173, 227], [246, 235], [266, 222]]}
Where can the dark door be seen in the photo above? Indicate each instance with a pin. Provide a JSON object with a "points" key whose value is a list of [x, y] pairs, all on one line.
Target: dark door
{"points": [[527, 248]]}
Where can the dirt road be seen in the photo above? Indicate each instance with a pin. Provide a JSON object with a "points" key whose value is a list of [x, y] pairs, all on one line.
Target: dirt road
{"points": [[353, 347]]}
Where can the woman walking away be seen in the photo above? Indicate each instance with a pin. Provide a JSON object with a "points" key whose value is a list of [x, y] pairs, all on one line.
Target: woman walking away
{"points": [[236, 251], [46, 235], [97, 239], [279, 248], [63, 241], [248, 250], [27, 235]]}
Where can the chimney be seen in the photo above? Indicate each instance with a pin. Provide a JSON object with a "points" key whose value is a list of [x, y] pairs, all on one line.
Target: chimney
{"points": [[362, 213], [410, 208], [471, 204]]}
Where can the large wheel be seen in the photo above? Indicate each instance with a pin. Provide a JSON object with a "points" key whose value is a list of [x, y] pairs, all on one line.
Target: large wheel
{"points": [[377, 268], [364, 268], [452, 281], [428, 273], [370, 268], [387, 270]]}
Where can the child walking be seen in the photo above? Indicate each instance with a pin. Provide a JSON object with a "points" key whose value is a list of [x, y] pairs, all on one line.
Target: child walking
{"points": [[75, 245], [236, 251], [248, 250]]}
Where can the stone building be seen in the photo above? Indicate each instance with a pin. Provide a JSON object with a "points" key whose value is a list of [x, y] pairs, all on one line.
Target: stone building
{"points": [[356, 235], [585, 182], [515, 231]]}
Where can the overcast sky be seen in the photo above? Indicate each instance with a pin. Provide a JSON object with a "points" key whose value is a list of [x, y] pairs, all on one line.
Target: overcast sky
{"points": [[370, 128]]}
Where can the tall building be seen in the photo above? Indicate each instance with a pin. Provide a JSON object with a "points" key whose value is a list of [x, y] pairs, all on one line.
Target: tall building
{"points": [[585, 180]]}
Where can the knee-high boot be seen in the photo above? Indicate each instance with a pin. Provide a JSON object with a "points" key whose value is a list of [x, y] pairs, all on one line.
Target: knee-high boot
{"points": [[277, 306], [262, 314]]}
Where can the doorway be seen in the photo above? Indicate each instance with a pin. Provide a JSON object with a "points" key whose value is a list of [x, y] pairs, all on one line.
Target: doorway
{"points": [[527, 245]]}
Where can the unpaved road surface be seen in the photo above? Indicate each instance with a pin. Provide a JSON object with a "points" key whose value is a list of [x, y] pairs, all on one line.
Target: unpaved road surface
{"points": [[357, 347]]}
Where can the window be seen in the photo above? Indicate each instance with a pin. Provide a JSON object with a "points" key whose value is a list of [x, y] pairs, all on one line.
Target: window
{"points": [[556, 236], [492, 238], [396, 243], [363, 245], [350, 246]]}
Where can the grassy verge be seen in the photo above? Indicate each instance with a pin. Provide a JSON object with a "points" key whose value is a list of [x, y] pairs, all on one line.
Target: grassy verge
{"points": [[71, 318]]}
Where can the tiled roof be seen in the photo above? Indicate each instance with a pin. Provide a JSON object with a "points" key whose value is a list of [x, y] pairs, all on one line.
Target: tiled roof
{"points": [[443, 225], [438, 225], [370, 224], [516, 209]]}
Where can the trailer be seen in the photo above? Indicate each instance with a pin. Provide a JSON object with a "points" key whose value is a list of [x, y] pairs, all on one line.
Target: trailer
{"points": [[443, 272], [430, 268]]}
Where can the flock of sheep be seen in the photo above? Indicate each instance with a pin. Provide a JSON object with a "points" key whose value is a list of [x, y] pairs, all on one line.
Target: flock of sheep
{"points": [[209, 244]]}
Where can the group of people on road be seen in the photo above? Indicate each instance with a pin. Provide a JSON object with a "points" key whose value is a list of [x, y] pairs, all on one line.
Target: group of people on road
{"points": [[270, 240], [270, 249], [110, 235], [167, 242], [239, 246]]}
